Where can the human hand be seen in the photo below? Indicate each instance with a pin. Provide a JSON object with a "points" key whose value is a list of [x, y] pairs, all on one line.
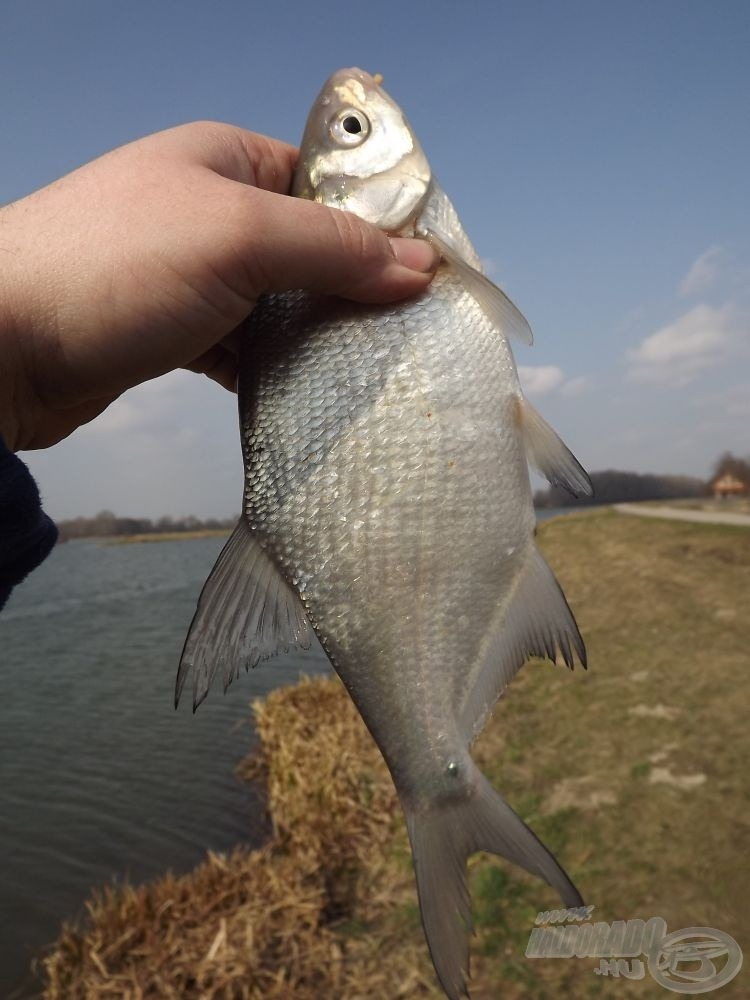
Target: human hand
{"points": [[147, 259]]}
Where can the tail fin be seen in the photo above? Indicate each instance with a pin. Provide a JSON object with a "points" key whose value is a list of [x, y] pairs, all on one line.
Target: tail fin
{"points": [[442, 838]]}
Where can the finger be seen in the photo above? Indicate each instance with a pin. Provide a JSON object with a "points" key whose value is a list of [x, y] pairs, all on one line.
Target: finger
{"points": [[232, 152], [292, 243], [55, 424], [218, 364], [232, 341]]}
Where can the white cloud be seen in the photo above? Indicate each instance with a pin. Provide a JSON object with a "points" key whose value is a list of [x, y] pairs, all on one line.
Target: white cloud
{"points": [[701, 338], [703, 272], [575, 386], [540, 379]]}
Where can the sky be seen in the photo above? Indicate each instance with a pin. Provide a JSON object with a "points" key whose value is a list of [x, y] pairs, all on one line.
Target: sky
{"points": [[598, 154]]}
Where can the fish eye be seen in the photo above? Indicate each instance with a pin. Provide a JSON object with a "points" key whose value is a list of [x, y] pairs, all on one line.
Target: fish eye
{"points": [[350, 127]]}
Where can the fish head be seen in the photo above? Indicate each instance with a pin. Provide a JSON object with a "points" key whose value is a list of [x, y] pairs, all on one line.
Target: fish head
{"points": [[359, 153]]}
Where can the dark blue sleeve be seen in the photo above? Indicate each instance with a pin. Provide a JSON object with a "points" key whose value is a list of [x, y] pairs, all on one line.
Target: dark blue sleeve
{"points": [[27, 535]]}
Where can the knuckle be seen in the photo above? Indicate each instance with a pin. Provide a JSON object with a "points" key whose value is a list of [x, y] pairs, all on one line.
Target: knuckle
{"points": [[358, 239]]}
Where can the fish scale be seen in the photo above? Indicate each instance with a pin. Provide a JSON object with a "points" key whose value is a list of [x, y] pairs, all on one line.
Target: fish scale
{"points": [[387, 505], [415, 438]]}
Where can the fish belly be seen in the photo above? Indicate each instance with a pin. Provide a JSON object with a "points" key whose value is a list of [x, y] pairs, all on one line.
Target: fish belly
{"points": [[386, 476]]}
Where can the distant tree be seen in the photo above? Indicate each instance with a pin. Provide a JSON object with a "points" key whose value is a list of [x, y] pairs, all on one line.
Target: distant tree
{"points": [[106, 524], [133, 526], [614, 486]]}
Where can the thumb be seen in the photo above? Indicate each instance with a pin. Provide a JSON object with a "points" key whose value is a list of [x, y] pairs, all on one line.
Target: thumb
{"points": [[293, 243]]}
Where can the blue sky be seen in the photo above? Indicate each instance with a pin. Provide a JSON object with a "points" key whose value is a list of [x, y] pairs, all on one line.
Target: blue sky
{"points": [[598, 154]]}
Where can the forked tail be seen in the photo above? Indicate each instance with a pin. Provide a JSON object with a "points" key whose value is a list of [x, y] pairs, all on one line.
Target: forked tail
{"points": [[442, 838]]}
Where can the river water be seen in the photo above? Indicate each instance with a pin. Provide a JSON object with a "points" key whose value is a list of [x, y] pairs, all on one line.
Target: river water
{"points": [[100, 778]]}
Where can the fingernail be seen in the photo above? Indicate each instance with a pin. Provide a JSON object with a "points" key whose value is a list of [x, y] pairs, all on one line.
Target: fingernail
{"points": [[417, 255]]}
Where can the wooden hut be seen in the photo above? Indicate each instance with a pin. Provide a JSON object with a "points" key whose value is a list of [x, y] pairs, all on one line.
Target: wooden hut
{"points": [[728, 485]]}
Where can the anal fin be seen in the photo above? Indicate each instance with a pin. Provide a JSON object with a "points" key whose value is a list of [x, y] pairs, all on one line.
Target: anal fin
{"points": [[246, 612], [549, 454], [537, 622]]}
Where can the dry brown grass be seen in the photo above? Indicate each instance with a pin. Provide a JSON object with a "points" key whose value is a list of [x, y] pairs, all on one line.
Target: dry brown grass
{"points": [[595, 762], [165, 536]]}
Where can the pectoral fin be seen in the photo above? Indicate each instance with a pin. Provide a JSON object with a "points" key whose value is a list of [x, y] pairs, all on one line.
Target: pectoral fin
{"points": [[246, 612], [549, 454], [496, 305]]}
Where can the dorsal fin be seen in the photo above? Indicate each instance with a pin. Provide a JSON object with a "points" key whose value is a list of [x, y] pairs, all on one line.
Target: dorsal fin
{"points": [[246, 612]]}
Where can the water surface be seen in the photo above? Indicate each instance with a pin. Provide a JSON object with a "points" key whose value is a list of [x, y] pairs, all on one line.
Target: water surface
{"points": [[100, 778]]}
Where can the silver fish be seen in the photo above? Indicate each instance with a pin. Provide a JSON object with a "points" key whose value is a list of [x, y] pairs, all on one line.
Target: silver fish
{"points": [[387, 505]]}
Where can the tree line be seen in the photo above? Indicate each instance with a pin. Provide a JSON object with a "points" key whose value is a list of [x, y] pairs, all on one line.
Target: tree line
{"points": [[614, 486], [610, 486], [105, 524]]}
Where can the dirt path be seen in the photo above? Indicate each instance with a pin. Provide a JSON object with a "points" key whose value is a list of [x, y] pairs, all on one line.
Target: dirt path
{"points": [[678, 514]]}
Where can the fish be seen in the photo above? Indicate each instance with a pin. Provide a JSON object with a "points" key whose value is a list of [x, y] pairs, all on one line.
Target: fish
{"points": [[387, 508]]}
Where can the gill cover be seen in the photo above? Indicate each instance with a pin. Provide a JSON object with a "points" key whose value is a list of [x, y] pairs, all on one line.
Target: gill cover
{"points": [[360, 154]]}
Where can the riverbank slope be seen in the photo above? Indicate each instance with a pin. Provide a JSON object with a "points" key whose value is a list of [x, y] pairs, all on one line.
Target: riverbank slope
{"points": [[634, 773]]}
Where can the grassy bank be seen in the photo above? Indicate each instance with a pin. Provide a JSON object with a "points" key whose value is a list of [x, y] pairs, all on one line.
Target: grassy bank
{"points": [[712, 505], [634, 773]]}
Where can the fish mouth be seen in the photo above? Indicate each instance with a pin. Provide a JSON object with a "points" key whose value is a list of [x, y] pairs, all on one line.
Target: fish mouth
{"points": [[353, 74], [350, 86]]}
